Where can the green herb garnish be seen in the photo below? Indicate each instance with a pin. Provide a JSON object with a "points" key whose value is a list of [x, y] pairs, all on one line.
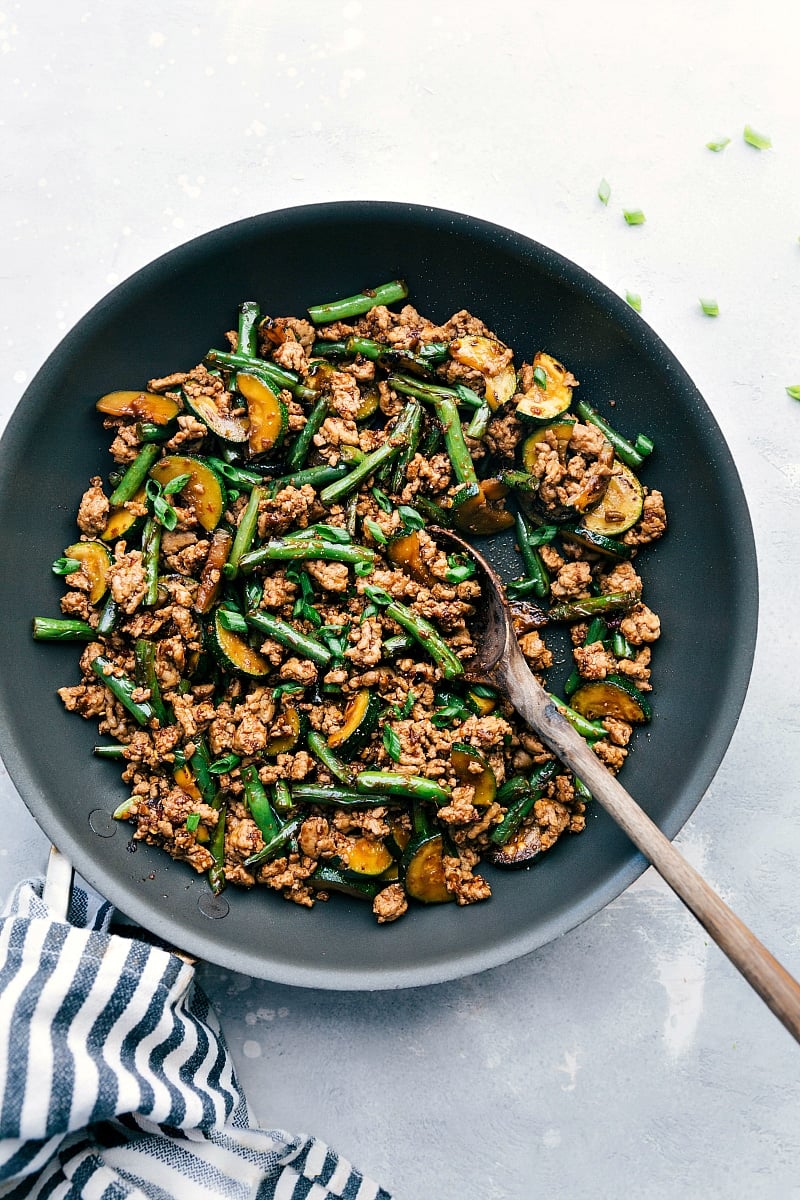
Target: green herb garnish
{"points": [[709, 306], [761, 141], [604, 191], [633, 216], [718, 145], [391, 743], [635, 301], [66, 566]]}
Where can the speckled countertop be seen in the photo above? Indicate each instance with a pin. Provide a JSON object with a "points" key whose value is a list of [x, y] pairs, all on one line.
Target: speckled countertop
{"points": [[627, 1058]]}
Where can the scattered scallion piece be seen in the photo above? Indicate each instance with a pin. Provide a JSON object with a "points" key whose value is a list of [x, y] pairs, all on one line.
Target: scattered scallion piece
{"points": [[192, 821], [794, 391], [709, 306], [633, 216], [635, 301], [540, 378], [604, 191], [375, 530], [391, 743], [66, 566], [761, 141], [718, 145]]}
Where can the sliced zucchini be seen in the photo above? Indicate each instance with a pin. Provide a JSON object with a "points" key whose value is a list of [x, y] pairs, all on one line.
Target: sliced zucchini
{"points": [[286, 743], [487, 356], [404, 552], [360, 722], [621, 506], [332, 879], [478, 508], [215, 413], [546, 404], [370, 400], [204, 489], [185, 780], [269, 417], [139, 406], [233, 652], [520, 850], [481, 704], [422, 870], [464, 759], [598, 542], [397, 839], [96, 562], [122, 522], [614, 696], [563, 432], [369, 859]]}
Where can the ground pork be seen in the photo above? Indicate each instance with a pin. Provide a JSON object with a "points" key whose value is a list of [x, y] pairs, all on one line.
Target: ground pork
{"points": [[651, 525], [390, 903], [93, 509]]}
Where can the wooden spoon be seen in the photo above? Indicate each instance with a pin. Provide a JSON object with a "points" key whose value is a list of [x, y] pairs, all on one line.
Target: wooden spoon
{"points": [[501, 663]]}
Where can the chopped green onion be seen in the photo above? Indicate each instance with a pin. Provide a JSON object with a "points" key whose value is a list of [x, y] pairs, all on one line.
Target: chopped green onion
{"points": [[391, 743], [232, 620], [761, 141], [225, 764], [192, 821], [287, 689], [794, 391], [176, 484], [604, 191], [411, 518], [633, 216], [709, 306], [540, 378], [405, 711], [377, 595], [643, 445], [363, 568], [459, 568], [375, 530], [382, 500], [66, 566], [718, 145], [635, 301]]}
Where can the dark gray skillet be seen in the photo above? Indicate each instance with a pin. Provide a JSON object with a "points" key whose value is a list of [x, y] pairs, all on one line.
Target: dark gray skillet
{"points": [[701, 578]]}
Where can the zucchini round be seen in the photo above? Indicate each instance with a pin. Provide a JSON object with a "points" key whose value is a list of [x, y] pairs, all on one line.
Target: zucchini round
{"points": [[481, 512], [422, 870], [360, 722], [598, 542], [96, 562], [370, 399], [332, 879], [614, 696], [204, 490], [139, 406], [563, 432], [544, 405], [233, 652], [269, 417], [464, 758], [122, 522], [621, 506], [369, 859], [481, 705], [186, 782], [220, 420], [487, 356], [404, 552], [286, 743]]}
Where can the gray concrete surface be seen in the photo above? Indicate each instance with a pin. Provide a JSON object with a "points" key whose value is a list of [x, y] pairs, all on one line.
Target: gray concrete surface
{"points": [[626, 1059]]}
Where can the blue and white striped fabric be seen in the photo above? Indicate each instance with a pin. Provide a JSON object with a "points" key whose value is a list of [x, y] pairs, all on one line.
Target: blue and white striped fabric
{"points": [[115, 1081]]}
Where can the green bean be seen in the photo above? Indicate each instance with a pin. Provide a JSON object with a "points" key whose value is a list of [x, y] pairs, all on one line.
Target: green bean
{"points": [[622, 447], [245, 532], [283, 798], [400, 466], [522, 805], [147, 431], [393, 783], [621, 647], [299, 451], [339, 797], [316, 477], [305, 549], [397, 437], [354, 306], [592, 606], [340, 770], [587, 729], [240, 477], [200, 762], [109, 615], [117, 751], [145, 654], [420, 389], [425, 634], [399, 644], [58, 629], [134, 477], [534, 567], [278, 376], [258, 803], [216, 848], [276, 843], [151, 549], [480, 422], [433, 511], [287, 635], [333, 350], [445, 405], [249, 314], [122, 687]]}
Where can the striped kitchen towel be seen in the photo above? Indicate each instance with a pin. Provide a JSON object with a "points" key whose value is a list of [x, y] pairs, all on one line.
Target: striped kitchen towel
{"points": [[115, 1081]]}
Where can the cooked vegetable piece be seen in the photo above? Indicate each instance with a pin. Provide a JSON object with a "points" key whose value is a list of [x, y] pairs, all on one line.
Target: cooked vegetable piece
{"points": [[593, 606], [204, 490], [560, 430], [491, 359], [233, 651], [96, 563], [287, 743], [62, 629], [404, 552], [550, 399], [216, 414], [332, 879], [614, 696], [211, 578], [135, 476], [621, 506], [622, 447], [359, 723], [520, 850], [258, 803], [308, 549], [290, 637], [472, 769], [394, 783], [187, 783], [139, 406], [146, 677], [245, 532], [122, 522], [599, 542], [422, 870], [368, 858], [276, 844], [483, 513], [122, 688], [268, 415], [353, 306], [398, 436]]}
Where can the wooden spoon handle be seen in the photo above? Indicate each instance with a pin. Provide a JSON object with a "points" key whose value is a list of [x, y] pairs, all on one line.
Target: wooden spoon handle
{"points": [[774, 984]]}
